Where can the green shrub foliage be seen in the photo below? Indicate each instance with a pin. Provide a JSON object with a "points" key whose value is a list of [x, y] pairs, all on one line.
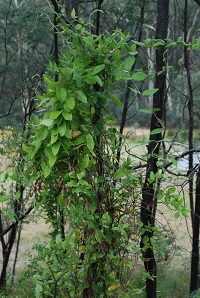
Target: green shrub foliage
{"points": [[77, 177]]}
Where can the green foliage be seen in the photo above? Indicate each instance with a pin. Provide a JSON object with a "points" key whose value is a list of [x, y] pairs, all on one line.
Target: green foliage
{"points": [[88, 196], [78, 183]]}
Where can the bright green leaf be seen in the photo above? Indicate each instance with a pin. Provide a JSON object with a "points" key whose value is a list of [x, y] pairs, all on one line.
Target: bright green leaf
{"points": [[5, 198], [128, 62], [99, 235], [171, 190], [90, 143], [47, 122], [119, 173], [176, 215], [115, 99], [52, 160], [81, 96], [156, 131], [145, 111], [53, 138], [70, 102], [175, 162], [150, 92], [139, 76], [145, 239], [47, 171], [121, 75], [152, 176], [61, 93], [62, 128], [73, 13], [54, 114], [55, 147], [48, 79], [67, 116], [97, 69]]}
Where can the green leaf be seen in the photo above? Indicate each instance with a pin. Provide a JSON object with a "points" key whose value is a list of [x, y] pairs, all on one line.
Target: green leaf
{"points": [[81, 96], [130, 245], [171, 190], [5, 198], [47, 171], [135, 91], [62, 128], [175, 162], [116, 54], [70, 102], [97, 69], [55, 147], [54, 114], [68, 133], [176, 215], [121, 75], [160, 195], [152, 176], [145, 111], [90, 143], [98, 80], [52, 160], [150, 92], [86, 160], [128, 62], [48, 79], [53, 138], [47, 122], [67, 116], [99, 235], [156, 131], [141, 44], [61, 93], [115, 99], [119, 173], [73, 13], [145, 239], [44, 133], [79, 140], [139, 76], [93, 80]]}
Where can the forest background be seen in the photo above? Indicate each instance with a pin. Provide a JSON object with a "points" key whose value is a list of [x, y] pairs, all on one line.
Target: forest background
{"points": [[120, 196]]}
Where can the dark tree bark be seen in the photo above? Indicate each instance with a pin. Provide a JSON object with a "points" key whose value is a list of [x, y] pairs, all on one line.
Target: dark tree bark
{"points": [[98, 16], [195, 238], [190, 110], [148, 191], [55, 23]]}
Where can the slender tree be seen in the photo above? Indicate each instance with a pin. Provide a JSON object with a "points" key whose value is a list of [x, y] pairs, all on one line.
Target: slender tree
{"points": [[148, 191], [195, 238]]}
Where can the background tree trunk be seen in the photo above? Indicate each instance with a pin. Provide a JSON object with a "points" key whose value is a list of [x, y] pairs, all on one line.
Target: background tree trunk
{"points": [[149, 192], [195, 239]]}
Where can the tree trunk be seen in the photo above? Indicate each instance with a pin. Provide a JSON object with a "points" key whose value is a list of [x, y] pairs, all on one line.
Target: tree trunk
{"points": [[6, 255], [55, 23], [195, 239], [148, 191], [190, 110]]}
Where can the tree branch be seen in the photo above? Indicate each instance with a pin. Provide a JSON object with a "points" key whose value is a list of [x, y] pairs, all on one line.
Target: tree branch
{"points": [[16, 222]]}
